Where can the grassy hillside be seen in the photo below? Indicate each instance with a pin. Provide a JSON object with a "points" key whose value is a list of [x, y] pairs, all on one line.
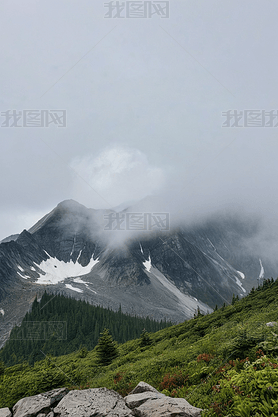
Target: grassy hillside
{"points": [[224, 362]]}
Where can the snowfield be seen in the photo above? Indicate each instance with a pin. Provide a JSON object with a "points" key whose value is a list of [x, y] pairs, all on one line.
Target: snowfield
{"points": [[53, 271]]}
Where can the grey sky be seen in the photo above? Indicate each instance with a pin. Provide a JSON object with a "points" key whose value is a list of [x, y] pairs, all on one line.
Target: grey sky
{"points": [[143, 106]]}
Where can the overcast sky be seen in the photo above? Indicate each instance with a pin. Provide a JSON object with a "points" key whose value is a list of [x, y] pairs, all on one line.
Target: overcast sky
{"points": [[144, 99]]}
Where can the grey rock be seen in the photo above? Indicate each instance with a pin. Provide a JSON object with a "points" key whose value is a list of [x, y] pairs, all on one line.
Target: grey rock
{"points": [[167, 407], [143, 401], [135, 400], [51, 414], [271, 324], [98, 402], [32, 406], [146, 401], [5, 412], [143, 387]]}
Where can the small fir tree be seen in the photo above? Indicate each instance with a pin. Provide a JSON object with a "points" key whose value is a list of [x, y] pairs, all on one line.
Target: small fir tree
{"points": [[107, 349], [145, 338], [83, 352], [233, 300], [198, 313]]}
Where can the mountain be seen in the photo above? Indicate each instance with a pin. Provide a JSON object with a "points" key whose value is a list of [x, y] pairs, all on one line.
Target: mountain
{"points": [[165, 274]]}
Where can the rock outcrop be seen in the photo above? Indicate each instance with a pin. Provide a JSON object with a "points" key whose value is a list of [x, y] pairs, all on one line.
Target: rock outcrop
{"points": [[92, 402], [143, 401], [271, 324], [146, 401], [5, 412], [39, 405]]}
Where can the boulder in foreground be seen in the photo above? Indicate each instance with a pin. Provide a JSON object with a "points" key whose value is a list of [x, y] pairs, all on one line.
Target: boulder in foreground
{"points": [[143, 401]]}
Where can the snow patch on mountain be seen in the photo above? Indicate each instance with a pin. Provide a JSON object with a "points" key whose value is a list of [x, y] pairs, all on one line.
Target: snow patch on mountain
{"points": [[240, 284], [262, 270], [73, 288], [148, 264], [23, 275], [80, 281], [242, 276], [73, 245], [53, 271], [2, 311]]}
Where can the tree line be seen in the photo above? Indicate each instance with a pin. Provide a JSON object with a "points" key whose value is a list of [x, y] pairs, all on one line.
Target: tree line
{"points": [[58, 325]]}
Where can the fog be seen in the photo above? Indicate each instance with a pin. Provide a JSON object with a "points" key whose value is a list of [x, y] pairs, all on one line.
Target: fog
{"points": [[144, 100]]}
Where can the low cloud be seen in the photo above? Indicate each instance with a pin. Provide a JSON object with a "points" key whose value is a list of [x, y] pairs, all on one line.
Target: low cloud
{"points": [[114, 176]]}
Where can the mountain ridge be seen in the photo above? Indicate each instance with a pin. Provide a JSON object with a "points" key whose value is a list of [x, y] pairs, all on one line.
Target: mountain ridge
{"points": [[166, 275]]}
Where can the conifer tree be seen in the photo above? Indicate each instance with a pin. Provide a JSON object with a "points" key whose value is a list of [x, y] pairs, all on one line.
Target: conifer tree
{"points": [[83, 352], [2, 368], [107, 348], [145, 338], [198, 313]]}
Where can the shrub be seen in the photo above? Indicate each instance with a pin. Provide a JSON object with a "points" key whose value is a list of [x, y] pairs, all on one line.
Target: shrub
{"points": [[172, 381], [122, 384], [205, 357]]}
